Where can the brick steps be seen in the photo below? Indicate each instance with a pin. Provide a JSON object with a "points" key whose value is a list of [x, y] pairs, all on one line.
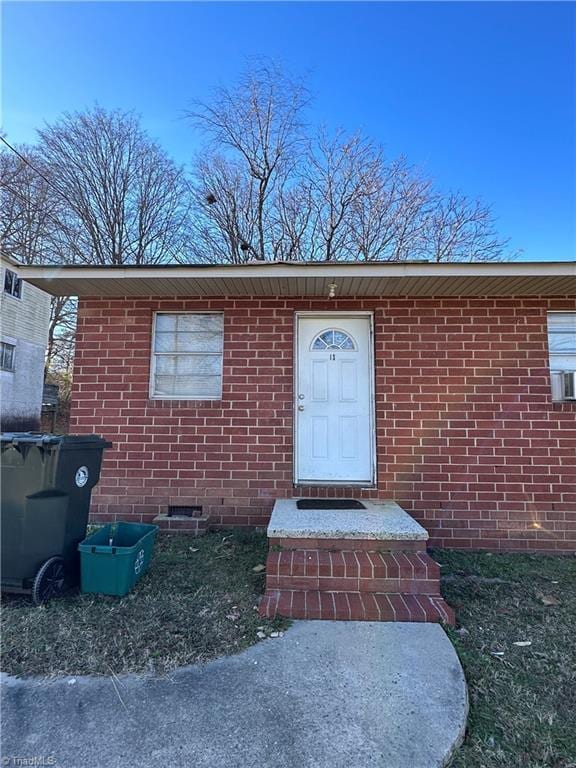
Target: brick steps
{"points": [[353, 571], [346, 583], [355, 606], [353, 565]]}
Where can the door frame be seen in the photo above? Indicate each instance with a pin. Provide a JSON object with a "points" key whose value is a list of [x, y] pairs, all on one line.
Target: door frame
{"points": [[372, 394]]}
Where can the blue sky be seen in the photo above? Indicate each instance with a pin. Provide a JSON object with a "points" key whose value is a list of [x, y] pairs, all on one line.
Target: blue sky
{"points": [[482, 96]]}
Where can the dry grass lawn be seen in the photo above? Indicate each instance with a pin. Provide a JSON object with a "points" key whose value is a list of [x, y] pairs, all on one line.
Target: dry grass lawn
{"points": [[195, 603], [516, 637]]}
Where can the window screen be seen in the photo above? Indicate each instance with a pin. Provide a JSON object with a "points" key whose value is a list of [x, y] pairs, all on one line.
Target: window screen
{"points": [[187, 356], [562, 349]]}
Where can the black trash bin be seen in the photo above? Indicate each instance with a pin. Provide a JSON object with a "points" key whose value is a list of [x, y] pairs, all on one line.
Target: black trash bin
{"points": [[46, 484]]}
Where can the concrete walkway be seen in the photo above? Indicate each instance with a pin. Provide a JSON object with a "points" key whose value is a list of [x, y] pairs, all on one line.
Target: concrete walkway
{"points": [[326, 695]]}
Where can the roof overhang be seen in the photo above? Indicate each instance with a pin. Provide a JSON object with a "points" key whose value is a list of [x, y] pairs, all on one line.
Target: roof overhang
{"points": [[310, 279], [9, 260]]}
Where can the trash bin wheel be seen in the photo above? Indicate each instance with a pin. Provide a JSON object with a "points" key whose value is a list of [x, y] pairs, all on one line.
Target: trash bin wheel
{"points": [[49, 581]]}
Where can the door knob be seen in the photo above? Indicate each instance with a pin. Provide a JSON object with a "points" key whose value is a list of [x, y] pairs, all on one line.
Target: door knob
{"points": [[300, 407]]}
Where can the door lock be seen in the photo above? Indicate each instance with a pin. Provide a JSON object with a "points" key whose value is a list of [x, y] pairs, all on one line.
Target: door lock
{"points": [[301, 397]]}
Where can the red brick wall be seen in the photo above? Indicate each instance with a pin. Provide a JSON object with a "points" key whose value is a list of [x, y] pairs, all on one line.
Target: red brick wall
{"points": [[468, 438]]}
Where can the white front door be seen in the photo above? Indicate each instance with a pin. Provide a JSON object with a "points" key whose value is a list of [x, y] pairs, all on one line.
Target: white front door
{"points": [[334, 431]]}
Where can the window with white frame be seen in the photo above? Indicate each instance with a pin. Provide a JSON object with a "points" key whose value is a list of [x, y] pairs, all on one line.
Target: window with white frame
{"points": [[7, 354], [12, 284], [187, 356], [562, 350]]}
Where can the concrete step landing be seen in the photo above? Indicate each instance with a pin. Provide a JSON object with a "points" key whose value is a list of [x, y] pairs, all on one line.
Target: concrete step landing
{"points": [[379, 521]]}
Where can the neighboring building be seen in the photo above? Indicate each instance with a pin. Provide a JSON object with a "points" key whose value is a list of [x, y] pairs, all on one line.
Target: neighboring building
{"points": [[25, 318], [446, 387]]}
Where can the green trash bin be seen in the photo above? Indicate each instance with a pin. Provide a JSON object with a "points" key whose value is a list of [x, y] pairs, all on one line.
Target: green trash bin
{"points": [[115, 557], [46, 485]]}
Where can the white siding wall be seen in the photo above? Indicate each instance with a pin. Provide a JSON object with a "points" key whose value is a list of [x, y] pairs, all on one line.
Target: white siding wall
{"points": [[23, 323]]}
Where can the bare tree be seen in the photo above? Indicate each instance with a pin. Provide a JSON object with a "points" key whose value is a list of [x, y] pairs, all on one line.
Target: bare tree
{"points": [[461, 229], [387, 223], [30, 217], [258, 125], [125, 201], [30, 220], [264, 189], [95, 189], [28, 207], [343, 173], [293, 214], [225, 220], [61, 334]]}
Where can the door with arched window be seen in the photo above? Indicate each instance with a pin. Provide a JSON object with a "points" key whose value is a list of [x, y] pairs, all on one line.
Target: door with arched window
{"points": [[334, 400]]}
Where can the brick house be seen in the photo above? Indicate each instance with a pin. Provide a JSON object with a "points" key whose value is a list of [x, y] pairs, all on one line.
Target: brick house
{"points": [[448, 388]]}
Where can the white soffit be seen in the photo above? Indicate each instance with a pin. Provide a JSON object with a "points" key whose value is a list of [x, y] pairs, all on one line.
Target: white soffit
{"points": [[310, 280]]}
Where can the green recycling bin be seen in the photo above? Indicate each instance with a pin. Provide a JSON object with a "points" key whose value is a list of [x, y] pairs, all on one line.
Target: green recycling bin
{"points": [[46, 485], [115, 557]]}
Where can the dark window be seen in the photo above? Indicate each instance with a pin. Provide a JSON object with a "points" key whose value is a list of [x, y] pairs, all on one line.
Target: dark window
{"points": [[7, 356], [12, 284]]}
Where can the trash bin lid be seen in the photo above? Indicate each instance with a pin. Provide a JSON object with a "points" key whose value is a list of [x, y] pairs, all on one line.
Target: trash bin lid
{"points": [[43, 440], [79, 441], [30, 438]]}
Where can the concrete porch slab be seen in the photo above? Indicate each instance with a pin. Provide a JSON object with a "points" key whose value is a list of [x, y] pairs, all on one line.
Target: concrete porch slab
{"points": [[380, 521], [326, 695]]}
